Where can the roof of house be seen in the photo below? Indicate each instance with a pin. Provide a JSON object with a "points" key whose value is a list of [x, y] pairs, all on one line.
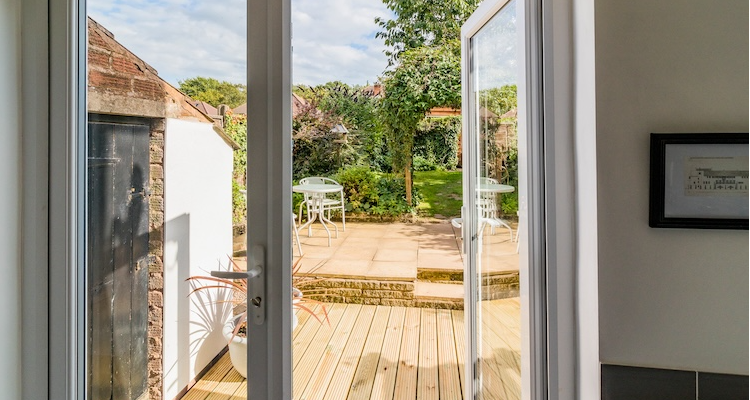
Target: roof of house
{"points": [[205, 108], [373, 90], [120, 83], [298, 103], [443, 112], [510, 114], [241, 109]]}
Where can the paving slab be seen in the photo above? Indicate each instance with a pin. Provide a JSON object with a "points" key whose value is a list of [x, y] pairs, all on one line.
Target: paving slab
{"points": [[397, 251], [441, 291]]}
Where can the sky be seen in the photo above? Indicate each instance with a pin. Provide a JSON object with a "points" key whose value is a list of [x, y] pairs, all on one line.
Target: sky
{"points": [[332, 39]]}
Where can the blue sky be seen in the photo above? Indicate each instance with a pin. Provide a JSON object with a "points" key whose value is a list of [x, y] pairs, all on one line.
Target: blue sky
{"points": [[332, 39]]}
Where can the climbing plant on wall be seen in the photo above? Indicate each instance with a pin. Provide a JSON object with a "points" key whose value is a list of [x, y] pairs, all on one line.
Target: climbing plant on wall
{"points": [[235, 125]]}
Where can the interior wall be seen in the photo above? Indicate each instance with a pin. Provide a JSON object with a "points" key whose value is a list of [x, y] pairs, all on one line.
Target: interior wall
{"points": [[669, 298], [198, 239], [10, 206]]}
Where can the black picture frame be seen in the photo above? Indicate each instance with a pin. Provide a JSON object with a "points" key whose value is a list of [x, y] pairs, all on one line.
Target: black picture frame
{"points": [[686, 192]]}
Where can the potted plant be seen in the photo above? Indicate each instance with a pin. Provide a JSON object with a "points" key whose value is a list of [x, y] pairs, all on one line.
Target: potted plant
{"points": [[235, 330]]}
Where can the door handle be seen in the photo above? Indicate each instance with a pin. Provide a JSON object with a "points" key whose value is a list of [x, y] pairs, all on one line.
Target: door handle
{"points": [[256, 288]]}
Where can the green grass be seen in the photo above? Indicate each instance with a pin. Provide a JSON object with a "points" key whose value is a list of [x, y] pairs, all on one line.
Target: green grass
{"points": [[441, 193]]}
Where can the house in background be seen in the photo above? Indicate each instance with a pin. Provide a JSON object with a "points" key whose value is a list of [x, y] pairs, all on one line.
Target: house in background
{"points": [[639, 312], [298, 104], [159, 190]]}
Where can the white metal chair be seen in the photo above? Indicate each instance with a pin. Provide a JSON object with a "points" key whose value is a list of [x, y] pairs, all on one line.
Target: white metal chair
{"points": [[296, 234], [332, 201], [459, 222], [488, 202], [294, 227], [518, 231]]}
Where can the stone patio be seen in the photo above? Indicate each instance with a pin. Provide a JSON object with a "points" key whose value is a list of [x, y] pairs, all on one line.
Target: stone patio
{"points": [[403, 264]]}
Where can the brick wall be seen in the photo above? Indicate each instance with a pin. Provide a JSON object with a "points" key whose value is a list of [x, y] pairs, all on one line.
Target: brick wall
{"points": [[115, 71], [156, 266]]}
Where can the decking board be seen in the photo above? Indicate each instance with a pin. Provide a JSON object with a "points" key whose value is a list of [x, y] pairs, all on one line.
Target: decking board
{"points": [[321, 378], [385, 378], [389, 353], [364, 377], [341, 381], [427, 370], [450, 386], [305, 368]]}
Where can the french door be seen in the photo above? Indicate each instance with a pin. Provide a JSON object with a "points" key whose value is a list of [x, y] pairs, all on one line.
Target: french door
{"points": [[495, 50], [499, 89]]}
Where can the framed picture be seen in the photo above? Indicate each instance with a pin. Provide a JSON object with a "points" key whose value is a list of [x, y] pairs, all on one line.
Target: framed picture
{"points": [[699, 180]]}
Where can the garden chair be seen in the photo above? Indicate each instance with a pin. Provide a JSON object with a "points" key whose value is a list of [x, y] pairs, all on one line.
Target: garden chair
{"points": [[294, 227], [332, 202], [296, 234], [488, 203]]}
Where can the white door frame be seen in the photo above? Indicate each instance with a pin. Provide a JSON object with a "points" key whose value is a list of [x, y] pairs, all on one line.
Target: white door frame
{"points": [[269, 187], [67, 183], [568, 167]]}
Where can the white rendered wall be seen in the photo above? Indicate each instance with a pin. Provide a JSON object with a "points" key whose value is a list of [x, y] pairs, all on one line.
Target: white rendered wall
{"points": [[10, 206], [670, 298], [198, 239]]}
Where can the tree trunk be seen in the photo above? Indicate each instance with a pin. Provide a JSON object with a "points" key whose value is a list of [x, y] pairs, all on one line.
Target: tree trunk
{"points": [[407, 177]]}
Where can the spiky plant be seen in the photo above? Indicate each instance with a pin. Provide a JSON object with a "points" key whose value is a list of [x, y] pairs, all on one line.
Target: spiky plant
{"points": [[238, 288]]}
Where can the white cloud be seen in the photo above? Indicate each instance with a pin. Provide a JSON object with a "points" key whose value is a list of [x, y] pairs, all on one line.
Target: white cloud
{"points": [[332, 39]]}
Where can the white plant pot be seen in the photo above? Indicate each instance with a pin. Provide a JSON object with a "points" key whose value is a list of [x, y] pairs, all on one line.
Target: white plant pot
{"points": [[238, 345]]}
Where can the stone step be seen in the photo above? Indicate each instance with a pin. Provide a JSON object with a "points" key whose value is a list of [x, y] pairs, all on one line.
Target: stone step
{"points": [[440, 275], [439, 295]]}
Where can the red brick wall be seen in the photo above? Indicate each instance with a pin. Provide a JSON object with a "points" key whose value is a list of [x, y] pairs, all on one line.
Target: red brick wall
{"points": [[113, 69]]}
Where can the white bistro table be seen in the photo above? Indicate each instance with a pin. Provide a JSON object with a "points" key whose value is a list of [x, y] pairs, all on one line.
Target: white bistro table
{"points": [[494, 188], [317, 193]]}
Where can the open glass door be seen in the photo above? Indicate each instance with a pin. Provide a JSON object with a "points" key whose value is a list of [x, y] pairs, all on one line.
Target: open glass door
{"points": [[493, 143]]}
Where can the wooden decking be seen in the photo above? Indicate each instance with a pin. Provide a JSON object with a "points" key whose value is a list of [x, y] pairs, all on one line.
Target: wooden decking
{"points": [[394, 353]]}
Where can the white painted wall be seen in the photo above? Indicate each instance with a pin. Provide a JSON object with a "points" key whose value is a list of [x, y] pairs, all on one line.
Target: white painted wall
{"points": [[10, 205], [198, 239], [668, 298]]}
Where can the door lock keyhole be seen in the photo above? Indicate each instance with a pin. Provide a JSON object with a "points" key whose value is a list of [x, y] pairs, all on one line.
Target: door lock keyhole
{"points": [[256, 301]]}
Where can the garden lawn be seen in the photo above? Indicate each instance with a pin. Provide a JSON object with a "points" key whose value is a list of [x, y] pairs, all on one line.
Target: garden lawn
{"points": [[441, 193]]}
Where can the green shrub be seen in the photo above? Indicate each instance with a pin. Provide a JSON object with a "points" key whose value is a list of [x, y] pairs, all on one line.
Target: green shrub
{"points": [[373, 193], [360, 188], [420, 163], [239, 204], [392, 196], [236, 127], [436, 144]]}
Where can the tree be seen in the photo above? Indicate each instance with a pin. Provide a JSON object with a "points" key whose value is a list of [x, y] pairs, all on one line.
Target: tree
{"points": [[317, 150], [214, 92], [357, 110], [423, 23], [426, 77], [500, 100]]}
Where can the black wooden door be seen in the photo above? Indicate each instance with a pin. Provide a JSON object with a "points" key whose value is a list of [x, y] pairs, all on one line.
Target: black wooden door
{"points": [[117, 257]]}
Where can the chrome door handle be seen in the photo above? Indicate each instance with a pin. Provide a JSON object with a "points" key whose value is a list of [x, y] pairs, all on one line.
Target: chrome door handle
{"points": [[256, 287]]}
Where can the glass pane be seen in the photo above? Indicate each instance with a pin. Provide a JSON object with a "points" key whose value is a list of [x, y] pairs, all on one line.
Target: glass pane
{"points": [[494, 87]]}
